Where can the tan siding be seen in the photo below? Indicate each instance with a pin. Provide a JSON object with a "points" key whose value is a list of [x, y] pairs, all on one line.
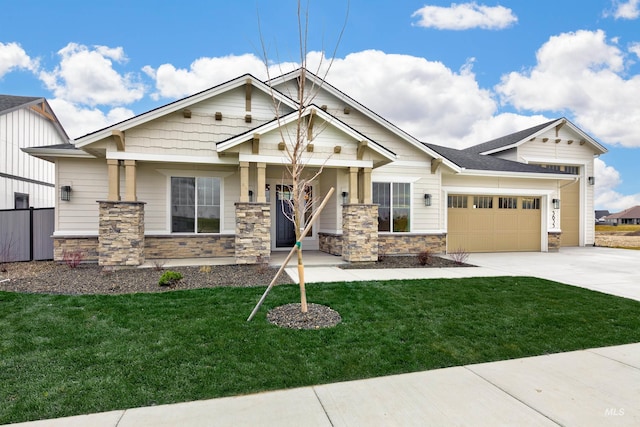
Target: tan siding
{"points": [[88, 180]]}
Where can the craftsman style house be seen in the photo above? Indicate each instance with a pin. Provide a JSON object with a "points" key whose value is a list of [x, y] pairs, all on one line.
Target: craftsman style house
{"points": [[205, 177], [26, 181]]}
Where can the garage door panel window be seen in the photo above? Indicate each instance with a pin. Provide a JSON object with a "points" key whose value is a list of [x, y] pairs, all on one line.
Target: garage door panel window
{"points": [[394, 206], [195, 205], [457, 202], [530, 203], [507, 203], [483, 202]]}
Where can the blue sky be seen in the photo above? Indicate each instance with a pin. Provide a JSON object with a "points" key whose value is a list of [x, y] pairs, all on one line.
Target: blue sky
{"points": [[453, 74]]}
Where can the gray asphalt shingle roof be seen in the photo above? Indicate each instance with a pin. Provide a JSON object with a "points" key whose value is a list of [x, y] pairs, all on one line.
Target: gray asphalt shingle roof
{"points": [[470, 160], [11, 102], [505, 141]]}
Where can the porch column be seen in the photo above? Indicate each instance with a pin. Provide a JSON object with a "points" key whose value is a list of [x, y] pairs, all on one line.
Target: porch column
{"points": [[353, 185], [244, 182], [366, 184], [262, 180], [360, 232], [130, 181], [120, 234], [113, 171]]}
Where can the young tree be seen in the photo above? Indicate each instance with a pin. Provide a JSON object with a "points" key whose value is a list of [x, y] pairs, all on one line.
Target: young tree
{"points": [[298, 177]]}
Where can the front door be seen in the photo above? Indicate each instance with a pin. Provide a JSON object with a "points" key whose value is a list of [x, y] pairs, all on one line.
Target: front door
{"points": [[285, 229]]}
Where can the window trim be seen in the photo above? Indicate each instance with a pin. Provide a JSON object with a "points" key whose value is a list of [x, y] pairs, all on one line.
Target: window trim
{"points": [[195, 175], [391, 208]]}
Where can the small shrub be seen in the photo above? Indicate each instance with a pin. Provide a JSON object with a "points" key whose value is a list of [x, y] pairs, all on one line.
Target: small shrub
{"points": [[205, 269], [169, 278], [72, 258], [459, 256], [381, 256], [425, 257], [158, 265]]}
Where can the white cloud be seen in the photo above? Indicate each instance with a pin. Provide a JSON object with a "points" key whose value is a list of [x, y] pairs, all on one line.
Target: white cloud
{"points": [[203, 73], [87, 76], [580, 73], [424, 98], [606, 197], [625, 10], [635, 48], [13, 56], [465, 16], [78, 121]]}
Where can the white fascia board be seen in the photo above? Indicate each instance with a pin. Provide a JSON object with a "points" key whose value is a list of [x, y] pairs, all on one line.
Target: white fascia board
{"points": [[551, 161], [57, 152], [307, 161], [181, 104], [526, 175], [497, 191], [527, 138], [165, 158]]}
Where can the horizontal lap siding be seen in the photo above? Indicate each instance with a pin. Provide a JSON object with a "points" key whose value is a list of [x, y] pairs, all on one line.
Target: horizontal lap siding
{"points": [[88, 181]]}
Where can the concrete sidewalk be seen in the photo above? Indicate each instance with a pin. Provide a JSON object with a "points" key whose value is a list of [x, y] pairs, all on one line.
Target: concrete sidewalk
{"points": [[583, 388], [593, 387]]}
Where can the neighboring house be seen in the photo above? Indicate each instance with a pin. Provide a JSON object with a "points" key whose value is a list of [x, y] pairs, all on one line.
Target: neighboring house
{"points": [[627, 216], [600, 216], [26, 181], [205, 177]]}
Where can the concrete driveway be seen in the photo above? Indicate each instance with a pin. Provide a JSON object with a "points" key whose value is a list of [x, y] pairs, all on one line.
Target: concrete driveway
{"points": [[608, 270]]}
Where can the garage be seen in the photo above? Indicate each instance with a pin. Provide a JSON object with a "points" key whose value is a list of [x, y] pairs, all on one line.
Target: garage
{"points": [[489, 223]]}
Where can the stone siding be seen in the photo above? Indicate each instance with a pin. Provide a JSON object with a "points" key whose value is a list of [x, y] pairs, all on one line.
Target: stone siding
{"points": [[330, 243], [554, 240], [121, 234], [192, 246], [411, 244], [360, 232], [88, 246], [253, 233]]}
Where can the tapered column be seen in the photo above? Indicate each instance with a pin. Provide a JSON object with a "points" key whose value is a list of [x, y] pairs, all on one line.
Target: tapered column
{"points": [[262, 180], [130, 181], [113, 171], [244, 182]]}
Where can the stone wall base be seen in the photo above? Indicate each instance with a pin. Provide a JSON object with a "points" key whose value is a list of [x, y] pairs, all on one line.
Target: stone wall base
{"points": [[411, 244], [554, 239], [121, 234], [193, 246], [253, 233], [87, 246], [360, 232], [330, 243]]}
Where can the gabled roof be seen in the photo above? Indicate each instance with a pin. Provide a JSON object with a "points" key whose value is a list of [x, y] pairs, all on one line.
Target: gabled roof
{"points": [[9, 103], [293, 116], [479, 162], [602, 213], [631, 213], [181, 104], [50, 152], [364, 110], [513, 140]]}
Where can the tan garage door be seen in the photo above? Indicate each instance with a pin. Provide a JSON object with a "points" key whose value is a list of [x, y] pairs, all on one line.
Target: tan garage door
{"points": [[493, 223], [570, 215]]}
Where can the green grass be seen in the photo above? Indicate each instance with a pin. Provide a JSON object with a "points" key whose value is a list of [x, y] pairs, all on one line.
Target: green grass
{"points": [[66, 355]]}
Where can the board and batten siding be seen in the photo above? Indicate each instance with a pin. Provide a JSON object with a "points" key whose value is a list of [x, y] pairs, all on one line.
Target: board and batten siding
{"points": [[20, 129]]}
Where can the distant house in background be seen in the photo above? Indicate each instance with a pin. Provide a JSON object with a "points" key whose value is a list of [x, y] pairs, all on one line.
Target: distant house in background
{"points": [[600, 216], [627, 216], [27, 181]]}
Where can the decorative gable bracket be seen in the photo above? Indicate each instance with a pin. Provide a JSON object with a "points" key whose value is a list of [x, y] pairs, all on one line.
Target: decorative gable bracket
{"points": [[118, 138]]}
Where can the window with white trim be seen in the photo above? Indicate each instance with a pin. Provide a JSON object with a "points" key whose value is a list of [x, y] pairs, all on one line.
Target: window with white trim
{"points": [[530, 203], [456, 201], [195, 204], [394, 206], [483, 202], [507, 203]]}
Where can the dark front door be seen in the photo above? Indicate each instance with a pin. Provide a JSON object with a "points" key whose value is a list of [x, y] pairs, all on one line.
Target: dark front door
{"points": [[285, 230]]}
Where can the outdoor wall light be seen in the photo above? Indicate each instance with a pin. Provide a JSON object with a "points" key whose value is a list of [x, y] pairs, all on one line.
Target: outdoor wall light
{"points": [[344, 197], [591, 180], [427, 199], [556, 203], [65, 193], [250, 195]]}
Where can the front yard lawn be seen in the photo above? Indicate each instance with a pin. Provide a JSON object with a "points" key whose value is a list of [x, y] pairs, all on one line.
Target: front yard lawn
{"points": [[67, 355]]}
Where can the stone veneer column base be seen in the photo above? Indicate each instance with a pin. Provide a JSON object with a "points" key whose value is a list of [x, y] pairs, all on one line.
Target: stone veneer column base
{"points": [[253, 233], [121, 234], [359, 232], [553, 241]]}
